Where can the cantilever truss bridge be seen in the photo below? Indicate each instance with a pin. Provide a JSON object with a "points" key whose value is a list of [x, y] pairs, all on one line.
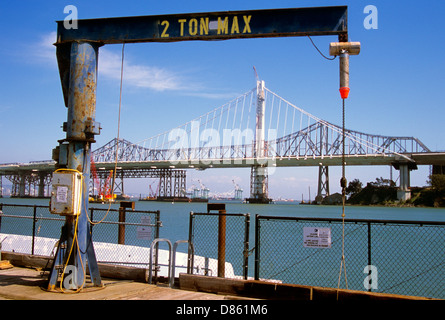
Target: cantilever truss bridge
{"points": [[258, 129]]}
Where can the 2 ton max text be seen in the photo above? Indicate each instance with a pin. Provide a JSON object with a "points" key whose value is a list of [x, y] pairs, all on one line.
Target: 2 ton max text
{"points": [[202, 26]]}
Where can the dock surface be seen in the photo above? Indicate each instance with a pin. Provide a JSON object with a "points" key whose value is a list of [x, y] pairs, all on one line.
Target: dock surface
{"points": [[28, 284], [23, 283]]}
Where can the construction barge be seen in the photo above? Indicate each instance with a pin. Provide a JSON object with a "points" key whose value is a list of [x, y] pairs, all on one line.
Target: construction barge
{"points": [[174, 199]]}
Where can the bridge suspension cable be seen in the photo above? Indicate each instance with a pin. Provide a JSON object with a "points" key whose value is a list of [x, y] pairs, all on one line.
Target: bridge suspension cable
{"points": [[233, 124], [228, 132], [230, 116]]}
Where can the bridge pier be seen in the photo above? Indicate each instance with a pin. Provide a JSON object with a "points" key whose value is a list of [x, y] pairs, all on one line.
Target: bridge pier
{"points": [[323, 183], [43, 183], [118, 187], [172, 184], [259, 185], [438, 169], [165, 183], [41, 189], [22, 185], [404, 191]]}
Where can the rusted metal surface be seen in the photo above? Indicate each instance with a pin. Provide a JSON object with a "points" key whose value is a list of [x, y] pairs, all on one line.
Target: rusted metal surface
{"points": [[79, 85], [221, 243], [224, 25], [82, 91]]}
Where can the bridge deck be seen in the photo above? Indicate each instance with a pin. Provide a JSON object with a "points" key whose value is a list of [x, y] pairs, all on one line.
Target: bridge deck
{"points": [[431, 158]]}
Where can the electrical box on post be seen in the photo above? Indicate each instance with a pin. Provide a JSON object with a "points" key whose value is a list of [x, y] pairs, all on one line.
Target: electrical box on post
{"points": [[66, 193]]}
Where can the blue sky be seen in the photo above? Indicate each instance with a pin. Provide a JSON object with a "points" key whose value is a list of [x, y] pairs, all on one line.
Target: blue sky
{"points": [[397, 82]]}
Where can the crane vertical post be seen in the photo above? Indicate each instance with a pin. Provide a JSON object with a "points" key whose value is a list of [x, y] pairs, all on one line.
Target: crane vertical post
{"points": [[81, 128]]}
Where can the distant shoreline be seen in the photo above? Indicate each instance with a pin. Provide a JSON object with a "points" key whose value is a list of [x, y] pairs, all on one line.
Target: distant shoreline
{"points": [[387, 196]]}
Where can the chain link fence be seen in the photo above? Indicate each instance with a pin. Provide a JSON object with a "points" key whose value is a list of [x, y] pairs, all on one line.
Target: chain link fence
{"points": [[399, 257], [123, 237], [203, 234], [33, 230]]}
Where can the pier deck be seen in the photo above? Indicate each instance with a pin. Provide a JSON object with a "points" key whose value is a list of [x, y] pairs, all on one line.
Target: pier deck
{"points": [[24, 281], [20, 283]]}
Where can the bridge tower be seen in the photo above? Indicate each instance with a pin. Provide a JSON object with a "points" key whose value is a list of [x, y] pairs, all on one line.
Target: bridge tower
{"points": [[258, 175]]}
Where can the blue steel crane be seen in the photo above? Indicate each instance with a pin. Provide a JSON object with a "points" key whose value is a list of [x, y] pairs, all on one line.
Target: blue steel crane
{"points": [[77, 55]]}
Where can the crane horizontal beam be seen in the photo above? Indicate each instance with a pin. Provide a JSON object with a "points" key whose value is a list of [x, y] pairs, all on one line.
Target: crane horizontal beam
{"points": [[208, 26], [198, 26]]}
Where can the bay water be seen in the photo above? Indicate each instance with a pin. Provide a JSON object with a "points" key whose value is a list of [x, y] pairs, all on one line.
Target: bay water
{"points": [[175, 215], [175, 218]]}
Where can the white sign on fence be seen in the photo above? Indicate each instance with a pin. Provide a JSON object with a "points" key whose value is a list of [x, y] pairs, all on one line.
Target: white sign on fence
{"points": [[144, 232], [314, 237]]}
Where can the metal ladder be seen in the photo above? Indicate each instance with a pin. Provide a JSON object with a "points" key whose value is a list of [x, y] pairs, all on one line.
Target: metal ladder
{"points": [[171, 259]]}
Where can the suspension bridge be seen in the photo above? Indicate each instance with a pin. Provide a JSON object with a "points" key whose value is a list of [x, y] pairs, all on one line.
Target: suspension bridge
{"points": [[259, 129]]}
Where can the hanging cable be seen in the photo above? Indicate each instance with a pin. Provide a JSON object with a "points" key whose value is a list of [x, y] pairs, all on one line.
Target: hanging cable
{"points": [[343, 183], [343, 50], [117, 140], [118, 120], [320, 51]]}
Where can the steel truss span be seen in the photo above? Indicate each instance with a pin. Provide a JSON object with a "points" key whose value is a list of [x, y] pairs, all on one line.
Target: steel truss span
{"points": [[227, 136]]}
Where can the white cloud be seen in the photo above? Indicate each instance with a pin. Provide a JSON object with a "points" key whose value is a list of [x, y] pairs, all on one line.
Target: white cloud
{"points": [[44, 50], [138, 75], [213, 95], [153, 77]]}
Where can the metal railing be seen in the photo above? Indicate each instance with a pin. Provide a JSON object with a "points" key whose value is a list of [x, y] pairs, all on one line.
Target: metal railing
{"points": [[400, 257], [34, 230]]}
